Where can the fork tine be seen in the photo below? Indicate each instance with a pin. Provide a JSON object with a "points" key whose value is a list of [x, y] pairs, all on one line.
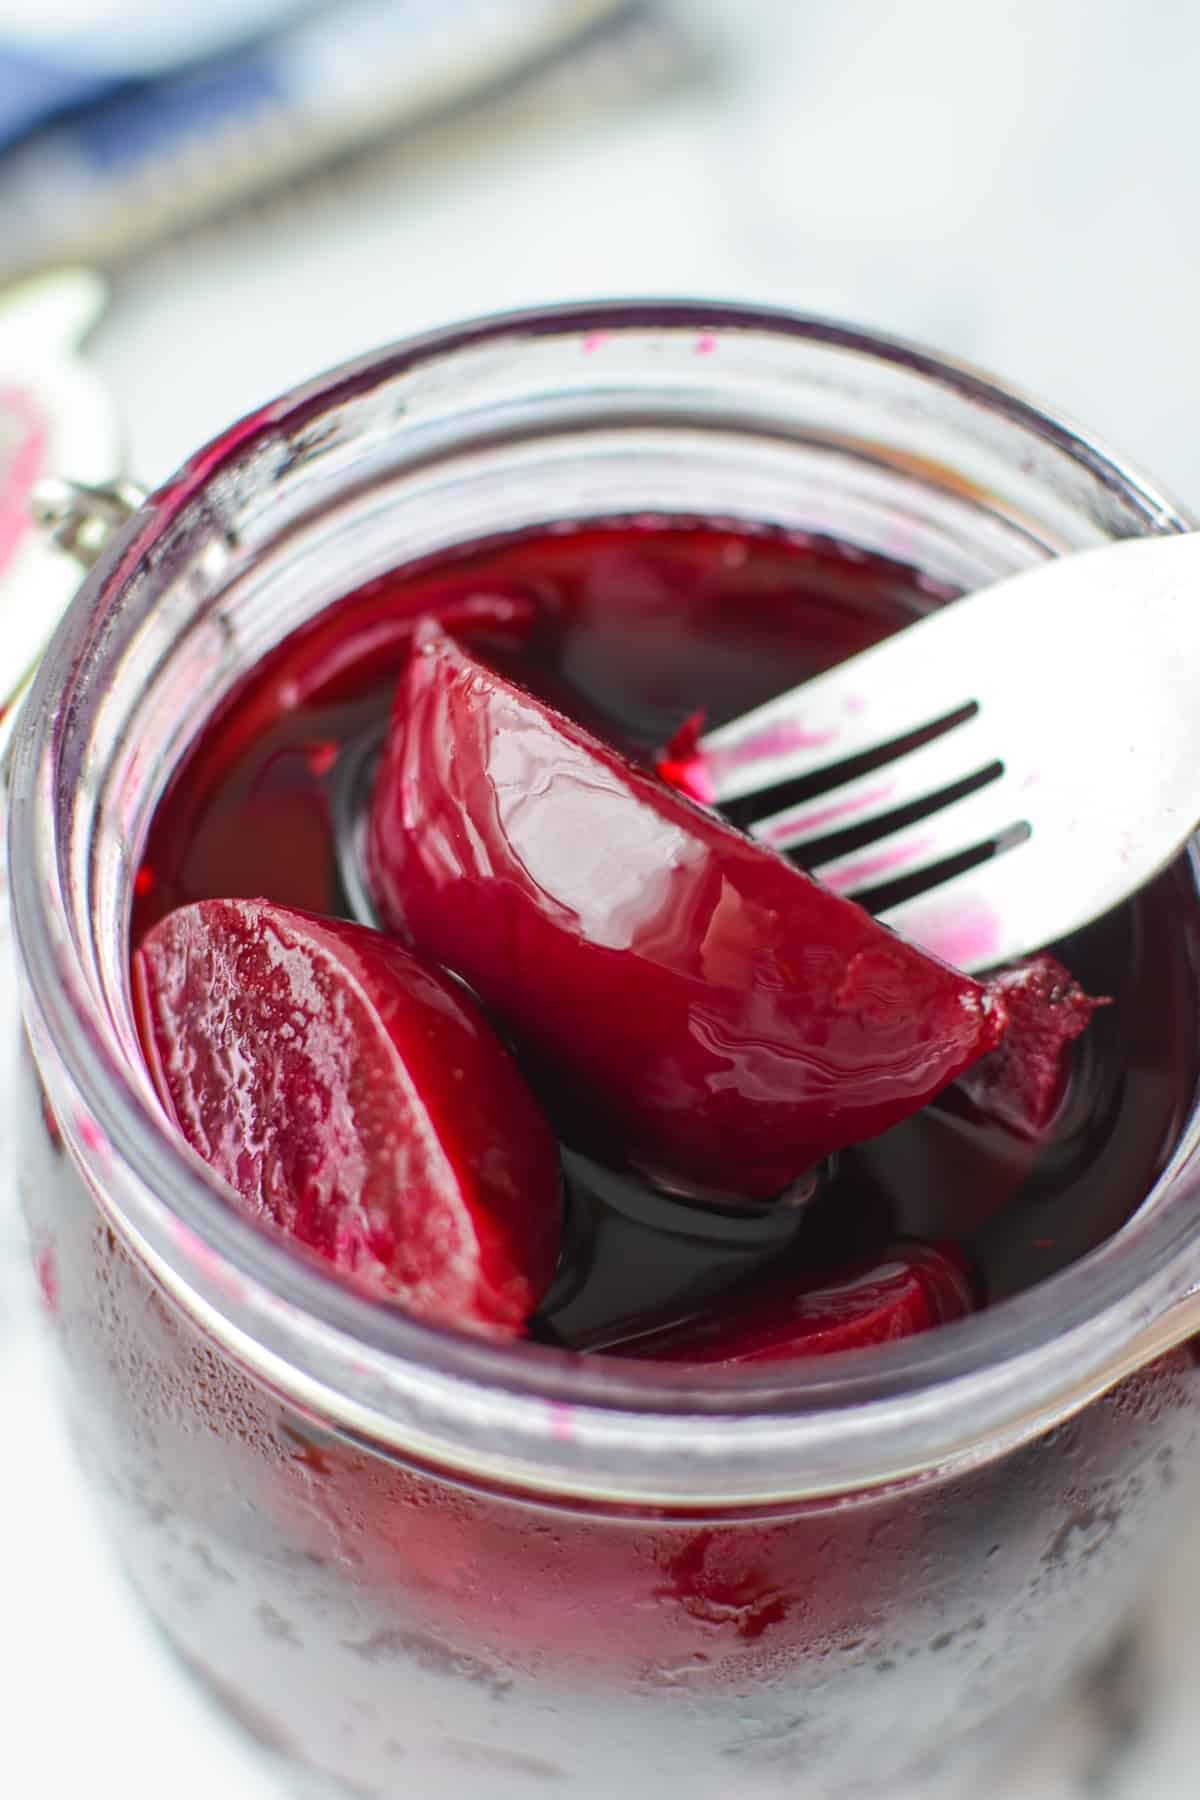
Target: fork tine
{"points": [[985, 916], [965, 750], [965, 824], [846, 712]]}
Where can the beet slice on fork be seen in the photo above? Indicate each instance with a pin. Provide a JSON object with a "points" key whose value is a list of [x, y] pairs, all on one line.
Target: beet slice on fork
{"points": [[689, 1004]]}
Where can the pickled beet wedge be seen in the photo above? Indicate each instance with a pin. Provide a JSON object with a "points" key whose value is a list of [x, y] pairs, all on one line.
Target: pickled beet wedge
{"points": [[358, 1101], [1022, 1081], [688, 1003], [911, 1289]]}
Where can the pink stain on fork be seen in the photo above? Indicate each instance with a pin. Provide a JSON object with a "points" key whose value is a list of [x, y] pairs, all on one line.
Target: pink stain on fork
{"points": [[964, 932], [872, 868], [694, 769], [784, 831], [771, 740]]}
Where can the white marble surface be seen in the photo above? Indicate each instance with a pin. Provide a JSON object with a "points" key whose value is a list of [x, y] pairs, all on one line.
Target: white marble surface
{"points": [[1017, 184]]}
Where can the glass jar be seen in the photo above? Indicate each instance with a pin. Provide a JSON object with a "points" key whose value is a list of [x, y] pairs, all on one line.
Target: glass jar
{"points": [[412, 1562]]}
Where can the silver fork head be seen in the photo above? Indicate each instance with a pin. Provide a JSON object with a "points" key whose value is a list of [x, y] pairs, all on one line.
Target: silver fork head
{"points": [[1002, 771]]}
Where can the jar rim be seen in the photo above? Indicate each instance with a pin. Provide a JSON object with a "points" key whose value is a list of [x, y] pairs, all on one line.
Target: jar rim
{"points": [[526, 1415]]}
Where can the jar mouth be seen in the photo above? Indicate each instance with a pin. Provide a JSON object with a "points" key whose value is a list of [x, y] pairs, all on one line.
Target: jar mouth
{"points": [[528, 1415]]}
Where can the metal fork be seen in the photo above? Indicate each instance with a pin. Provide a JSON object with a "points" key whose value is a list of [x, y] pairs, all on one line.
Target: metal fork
{"points": [[1002, 771]]}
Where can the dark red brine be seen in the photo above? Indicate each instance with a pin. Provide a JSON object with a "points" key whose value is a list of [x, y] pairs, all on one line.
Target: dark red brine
{"points": [[699, 1224]]}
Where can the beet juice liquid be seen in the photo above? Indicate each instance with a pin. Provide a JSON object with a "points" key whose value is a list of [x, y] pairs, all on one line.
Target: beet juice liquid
{"points": [[631, 627]]}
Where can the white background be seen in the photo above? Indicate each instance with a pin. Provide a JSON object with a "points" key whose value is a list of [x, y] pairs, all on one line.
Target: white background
{"points": [[1017, 183]]}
